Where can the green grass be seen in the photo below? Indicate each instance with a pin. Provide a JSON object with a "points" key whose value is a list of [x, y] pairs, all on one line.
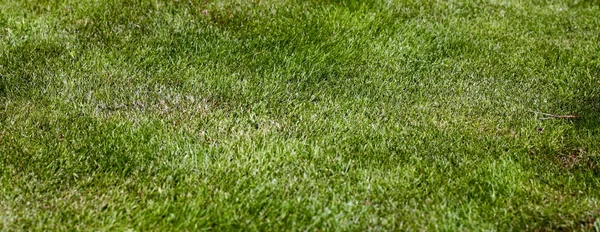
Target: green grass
{"points": [[299, 115]]}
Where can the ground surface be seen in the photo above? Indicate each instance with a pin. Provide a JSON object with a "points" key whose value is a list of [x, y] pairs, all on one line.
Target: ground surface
{"points": [[280, 115]]}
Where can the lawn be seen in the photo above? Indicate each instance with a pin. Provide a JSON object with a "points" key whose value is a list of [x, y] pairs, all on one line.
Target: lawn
{"points": [[287, 115]]}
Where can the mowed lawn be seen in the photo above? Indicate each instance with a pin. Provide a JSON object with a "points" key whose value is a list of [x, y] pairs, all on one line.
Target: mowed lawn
{"points": [[289, 115]]}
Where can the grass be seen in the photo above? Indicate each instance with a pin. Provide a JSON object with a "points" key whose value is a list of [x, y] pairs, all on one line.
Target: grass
{"points": [[299, 115]]}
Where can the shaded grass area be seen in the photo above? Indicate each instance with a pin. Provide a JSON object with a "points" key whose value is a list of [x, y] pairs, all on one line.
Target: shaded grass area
{"points": [[299, 115]]}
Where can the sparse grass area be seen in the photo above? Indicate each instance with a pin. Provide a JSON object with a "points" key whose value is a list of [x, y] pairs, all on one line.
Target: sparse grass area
{"points": [[299, 115]]}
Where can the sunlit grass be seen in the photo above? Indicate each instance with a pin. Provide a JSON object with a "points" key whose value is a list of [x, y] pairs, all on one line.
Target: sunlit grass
{"points": [[299, 115]]}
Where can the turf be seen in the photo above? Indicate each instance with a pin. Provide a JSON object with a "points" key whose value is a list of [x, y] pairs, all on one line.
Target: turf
{"points": [[299, 115]]}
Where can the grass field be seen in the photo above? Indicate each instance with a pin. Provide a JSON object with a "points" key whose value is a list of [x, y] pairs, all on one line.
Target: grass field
{"points": [[299, 115]]}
